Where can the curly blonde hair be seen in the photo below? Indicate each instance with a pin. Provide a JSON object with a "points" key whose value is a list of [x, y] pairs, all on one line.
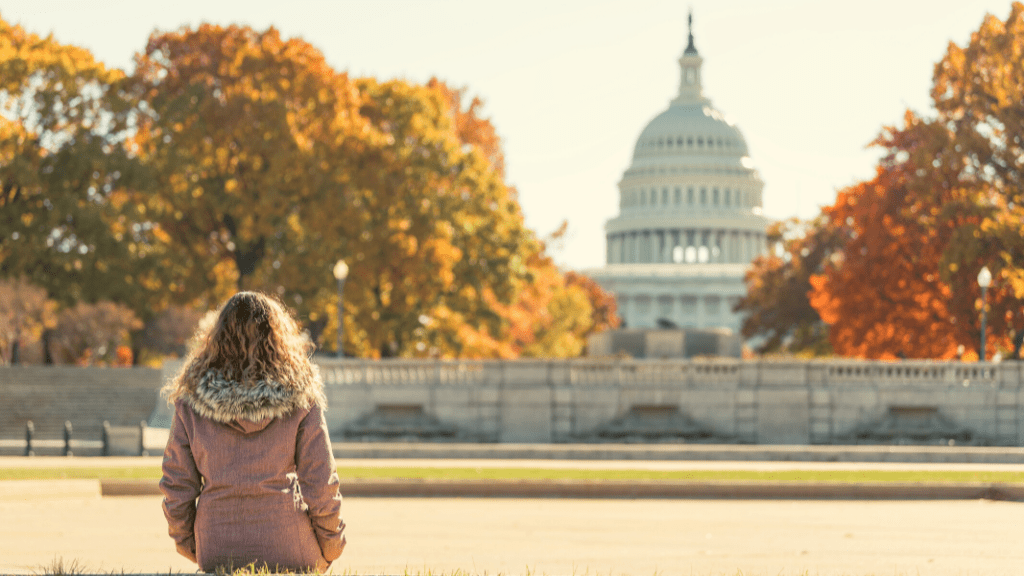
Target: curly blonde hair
{"points": [[254, 339]]}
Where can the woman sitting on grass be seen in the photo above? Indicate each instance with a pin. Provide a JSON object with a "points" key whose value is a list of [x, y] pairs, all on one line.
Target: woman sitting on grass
{"points": [[248, 472]]}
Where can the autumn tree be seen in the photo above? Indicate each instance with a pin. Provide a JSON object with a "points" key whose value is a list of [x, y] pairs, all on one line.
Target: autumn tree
{"points": [[26, 312], [945, 202], [776, 309], [236, 130], [169, 332], [96, 333], [978, 93], [555, 312], [441, 262], [883, 296], [60, 161], [604, 308], [469, 126], [428, 227]]}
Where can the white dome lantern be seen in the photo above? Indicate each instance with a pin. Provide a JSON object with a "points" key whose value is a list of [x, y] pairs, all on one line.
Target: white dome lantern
{"points": [[690, 218]]}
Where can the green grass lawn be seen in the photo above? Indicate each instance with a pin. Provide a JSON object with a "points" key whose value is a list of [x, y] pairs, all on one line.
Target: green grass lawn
{"points": [[514, 474]]}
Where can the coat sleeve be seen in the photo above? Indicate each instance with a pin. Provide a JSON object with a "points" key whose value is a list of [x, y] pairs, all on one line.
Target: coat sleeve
{"points": [[318, 481], [180, 485]]}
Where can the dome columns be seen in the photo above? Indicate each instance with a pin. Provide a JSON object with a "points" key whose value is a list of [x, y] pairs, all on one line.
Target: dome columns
{"points": [[684, 246], [702, 309]]}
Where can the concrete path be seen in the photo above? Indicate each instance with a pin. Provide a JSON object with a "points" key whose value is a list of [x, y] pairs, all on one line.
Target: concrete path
{"points": [[556, 536]]}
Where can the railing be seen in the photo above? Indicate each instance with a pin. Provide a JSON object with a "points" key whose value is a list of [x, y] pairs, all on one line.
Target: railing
{"points": [[602, 373], [69, 444], [913, 372]]}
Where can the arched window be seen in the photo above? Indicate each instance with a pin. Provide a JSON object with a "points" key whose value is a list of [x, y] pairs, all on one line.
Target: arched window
{"points": [[703, 196], [728, 197], [677, 254], [643, 197], [714, 196], [664, 196], [700, 141], [679, 196], [703, 254], [690, 254], [689, 196]]}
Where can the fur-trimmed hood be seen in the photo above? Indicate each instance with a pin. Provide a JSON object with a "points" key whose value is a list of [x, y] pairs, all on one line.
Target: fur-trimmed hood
{"points": [[231, 402]]}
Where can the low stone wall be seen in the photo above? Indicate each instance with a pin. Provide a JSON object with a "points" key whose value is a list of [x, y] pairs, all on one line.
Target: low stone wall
{"points": [[51, 395], [720, 401], [766, 402]]}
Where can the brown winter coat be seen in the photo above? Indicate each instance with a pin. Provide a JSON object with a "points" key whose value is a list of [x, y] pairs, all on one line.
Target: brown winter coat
{"points": [[249, 476]]}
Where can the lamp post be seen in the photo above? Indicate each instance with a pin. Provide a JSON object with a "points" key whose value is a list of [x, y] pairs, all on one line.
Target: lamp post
{"points": [[340, 274], [984, 280]]}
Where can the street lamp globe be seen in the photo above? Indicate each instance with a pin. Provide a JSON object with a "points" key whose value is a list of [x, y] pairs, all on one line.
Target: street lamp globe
{"points": [[340, 273], [340, 270], [984, 277], [984, 280]]}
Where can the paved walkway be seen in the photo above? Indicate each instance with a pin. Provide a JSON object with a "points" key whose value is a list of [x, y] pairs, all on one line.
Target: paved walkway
{"points": [[44, 520], [556, 536]]}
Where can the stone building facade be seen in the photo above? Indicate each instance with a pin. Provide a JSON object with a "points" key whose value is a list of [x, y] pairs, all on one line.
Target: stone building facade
{"points": [[690, 218]]}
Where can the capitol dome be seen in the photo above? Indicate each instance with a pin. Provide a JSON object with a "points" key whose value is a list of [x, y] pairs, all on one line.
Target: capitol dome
{"points": [[687, 130], [690, 220]]}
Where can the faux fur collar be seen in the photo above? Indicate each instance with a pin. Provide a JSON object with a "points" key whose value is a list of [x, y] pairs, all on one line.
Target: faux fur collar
{"points": [[227, 401]]}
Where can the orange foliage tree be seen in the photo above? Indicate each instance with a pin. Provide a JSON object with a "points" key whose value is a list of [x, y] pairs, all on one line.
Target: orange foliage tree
{"points": [[946, 201], [883, 296], [776, 309], [978, 92], [555, 312]]}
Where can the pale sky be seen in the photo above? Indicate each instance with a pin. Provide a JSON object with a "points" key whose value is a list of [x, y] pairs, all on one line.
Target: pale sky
{"points": [[569, 84]]}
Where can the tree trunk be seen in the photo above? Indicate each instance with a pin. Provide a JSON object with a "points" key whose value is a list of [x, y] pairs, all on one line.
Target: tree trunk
{"points": [[47, 350]]}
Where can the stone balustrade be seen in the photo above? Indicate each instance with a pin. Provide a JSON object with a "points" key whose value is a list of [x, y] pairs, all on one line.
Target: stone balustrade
{"points": [[770, 401], [588, 400]]}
